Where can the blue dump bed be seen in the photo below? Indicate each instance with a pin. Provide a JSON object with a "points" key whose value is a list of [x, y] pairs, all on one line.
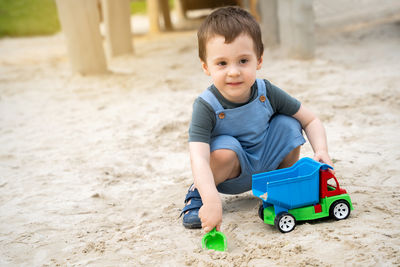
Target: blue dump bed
{"points": [[290, 188]]}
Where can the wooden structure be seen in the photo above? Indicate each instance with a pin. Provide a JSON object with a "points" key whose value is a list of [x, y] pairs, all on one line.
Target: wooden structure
{"points": [[296, 28], [289, 23], [269, 22], [183, 6], [80, 21], [155, 8], [117, 19]]}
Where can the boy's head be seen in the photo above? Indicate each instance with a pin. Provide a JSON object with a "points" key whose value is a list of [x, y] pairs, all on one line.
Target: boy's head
{"points": [[229, 22]]}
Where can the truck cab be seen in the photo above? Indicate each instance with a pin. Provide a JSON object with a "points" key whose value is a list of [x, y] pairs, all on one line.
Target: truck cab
{"points": [[329, 185]]}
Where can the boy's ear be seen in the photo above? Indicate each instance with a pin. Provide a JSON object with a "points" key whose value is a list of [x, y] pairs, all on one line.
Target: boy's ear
{"points": [[259, 62], [205, 68]]}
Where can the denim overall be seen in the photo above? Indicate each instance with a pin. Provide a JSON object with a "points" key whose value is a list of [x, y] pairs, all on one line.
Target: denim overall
{"points": [[260, 138]]}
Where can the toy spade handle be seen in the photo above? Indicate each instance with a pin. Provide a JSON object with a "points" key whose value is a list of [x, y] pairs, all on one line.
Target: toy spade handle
{"points": [[213, 231]]}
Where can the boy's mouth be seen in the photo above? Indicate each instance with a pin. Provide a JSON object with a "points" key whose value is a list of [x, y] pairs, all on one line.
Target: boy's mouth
{"points": [[234, 84]]}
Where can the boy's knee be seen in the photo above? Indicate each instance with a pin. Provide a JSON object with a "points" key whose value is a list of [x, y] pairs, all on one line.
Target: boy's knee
{"points": [[223, 156], [224, 164], [291, 158]]}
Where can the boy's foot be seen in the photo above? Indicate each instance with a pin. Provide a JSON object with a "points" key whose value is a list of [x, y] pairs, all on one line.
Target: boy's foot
{"points": [[190, 212]]}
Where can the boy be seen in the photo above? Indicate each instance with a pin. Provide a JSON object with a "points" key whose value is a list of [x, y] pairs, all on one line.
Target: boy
{"points": [[240, 125]]}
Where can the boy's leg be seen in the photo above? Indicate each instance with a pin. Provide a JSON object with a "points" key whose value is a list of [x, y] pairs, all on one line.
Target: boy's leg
{"points": [[290, 158], [224, 165]]}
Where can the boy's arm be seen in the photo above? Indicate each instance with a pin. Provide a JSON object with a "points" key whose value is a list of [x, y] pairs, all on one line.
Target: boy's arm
{"points": [[315, 133], [211, 212]]}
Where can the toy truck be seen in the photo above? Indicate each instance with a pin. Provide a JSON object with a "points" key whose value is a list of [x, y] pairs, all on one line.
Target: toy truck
{"points": [[305, 191]]}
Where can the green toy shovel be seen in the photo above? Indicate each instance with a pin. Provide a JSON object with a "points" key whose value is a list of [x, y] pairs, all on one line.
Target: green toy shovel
{"points": [[215, 240]]}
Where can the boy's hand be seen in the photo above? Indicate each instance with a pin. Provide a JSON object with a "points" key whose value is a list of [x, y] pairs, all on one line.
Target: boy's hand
{"points": [[322, 156], [211, 215]]}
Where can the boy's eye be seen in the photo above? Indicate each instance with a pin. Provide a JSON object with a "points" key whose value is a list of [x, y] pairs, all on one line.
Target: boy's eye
{"points": [[222, 63], [244, 61]]}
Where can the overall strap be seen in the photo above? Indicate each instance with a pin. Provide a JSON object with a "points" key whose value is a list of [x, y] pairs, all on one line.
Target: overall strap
{"points": [[211, 99], [262, 90]]}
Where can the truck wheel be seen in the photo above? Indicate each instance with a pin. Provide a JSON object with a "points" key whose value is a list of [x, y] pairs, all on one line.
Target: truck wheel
{"points": [[285, 222], [261, 212], [339, 210]]}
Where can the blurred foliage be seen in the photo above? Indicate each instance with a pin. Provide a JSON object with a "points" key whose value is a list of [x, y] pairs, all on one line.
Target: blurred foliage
{"points": [[139, 6], [28, 17], [39, 17]]}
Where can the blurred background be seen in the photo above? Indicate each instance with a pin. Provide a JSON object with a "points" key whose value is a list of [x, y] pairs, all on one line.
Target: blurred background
{"points": [[39, 17]]}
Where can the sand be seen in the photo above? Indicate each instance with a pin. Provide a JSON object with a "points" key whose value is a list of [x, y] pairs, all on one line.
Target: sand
{"points": [[94, 169]]}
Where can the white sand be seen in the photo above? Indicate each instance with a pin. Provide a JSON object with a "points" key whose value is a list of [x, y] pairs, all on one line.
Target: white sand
{"points": [[94, 170]]}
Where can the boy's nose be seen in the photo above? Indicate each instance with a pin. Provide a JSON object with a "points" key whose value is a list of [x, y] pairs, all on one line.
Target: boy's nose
{"points": [[233, 71]]}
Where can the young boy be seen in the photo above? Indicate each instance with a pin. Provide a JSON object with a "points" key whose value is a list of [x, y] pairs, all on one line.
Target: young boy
{"points": [[240, 125]]}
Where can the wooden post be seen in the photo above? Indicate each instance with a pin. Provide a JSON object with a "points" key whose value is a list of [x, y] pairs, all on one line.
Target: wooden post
{"points": [[253, 9], [164, 5], [296, 27], [269, 22], [80, 23], [180, 10], [153, 11], [117, 21]]}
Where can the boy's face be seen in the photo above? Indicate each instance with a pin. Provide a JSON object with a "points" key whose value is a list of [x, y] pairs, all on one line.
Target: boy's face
{"points": [[232, 66]]}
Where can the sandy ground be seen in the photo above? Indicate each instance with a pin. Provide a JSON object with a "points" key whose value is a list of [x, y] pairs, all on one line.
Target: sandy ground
{"points": [[94, 169]]}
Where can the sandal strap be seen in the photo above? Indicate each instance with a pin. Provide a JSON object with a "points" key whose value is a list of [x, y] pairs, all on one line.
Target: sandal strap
{"points": [[192, 195], [194, 204]]}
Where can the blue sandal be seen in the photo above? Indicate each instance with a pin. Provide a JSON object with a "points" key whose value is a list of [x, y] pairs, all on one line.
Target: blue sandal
{"points": [[191, 219]]}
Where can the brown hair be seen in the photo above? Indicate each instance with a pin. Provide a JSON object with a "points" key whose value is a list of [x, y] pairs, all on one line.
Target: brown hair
{"points": [[229, 22]]}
